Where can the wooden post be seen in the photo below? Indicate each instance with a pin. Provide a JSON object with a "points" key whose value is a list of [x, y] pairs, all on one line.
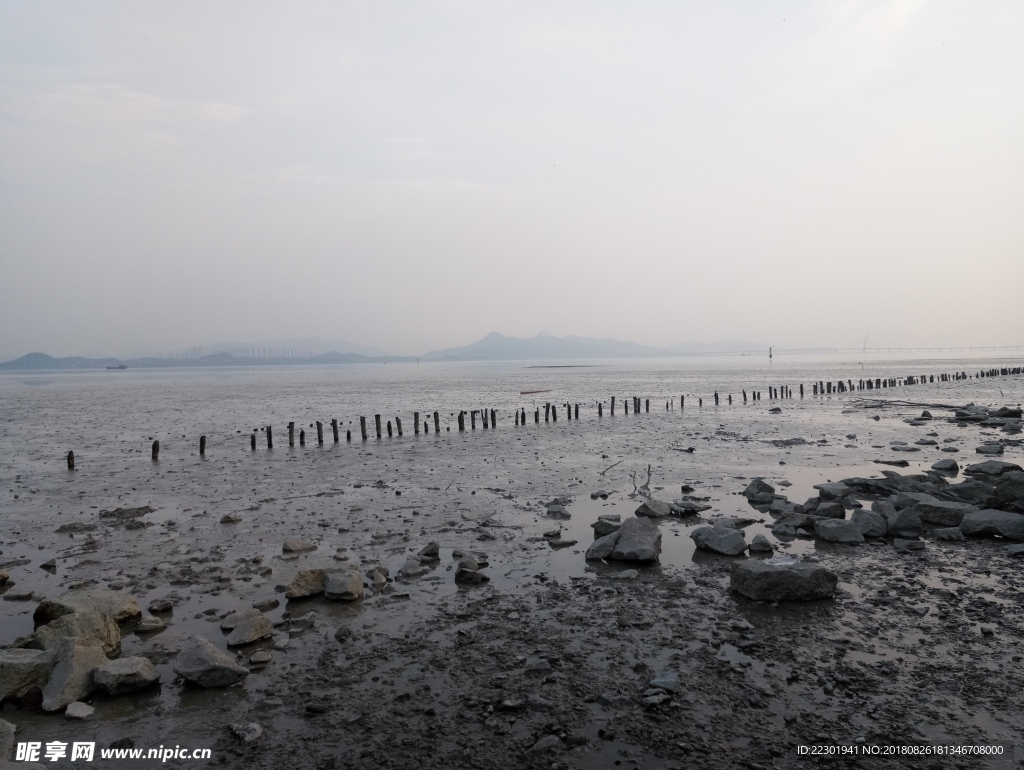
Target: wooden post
{"points": [[437, 423], [462, 421], [291, 434], [362, 427], [554, 413], [547, 412], [647, 405], [801, 390], [71, 461], [416, 423], [730, 399], [517, 418], [270, 438], [252, 441], [348, 435], [536, 415], [389, 428], [156, 450], [577, 415], [716, 398], [302, 437], [319, 433], [376, 423], [494, 416], [202, 446], [600, 409], [700, 402], [613, 406], [472, 419], [334, 429], [398, 425]]}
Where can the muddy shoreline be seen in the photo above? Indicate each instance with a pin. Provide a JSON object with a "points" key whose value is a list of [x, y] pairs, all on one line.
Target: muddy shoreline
{"points": [[548, 663]]}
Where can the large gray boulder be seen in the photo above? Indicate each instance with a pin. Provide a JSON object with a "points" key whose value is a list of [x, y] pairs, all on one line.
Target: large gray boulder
{"points": [[830, 509], [120, 606], [202, 664], [761, 544], [905, 523], [71, 678], [948, 467], [989, 449], [605, 526], [1009, 492], [943, 513], [729, 542], [869, 523], [125, 675], [991, 522], [834, 490], [991, 468], [89, 627], [759, 492], [307, 582], [249, 625], [653, 508], [345, 586], [22, 671], [768, 582], [639, 540], [838, 531]]}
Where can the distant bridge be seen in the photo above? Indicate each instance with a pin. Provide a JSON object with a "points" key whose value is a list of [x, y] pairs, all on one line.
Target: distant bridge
{"points": [[828, 351]]}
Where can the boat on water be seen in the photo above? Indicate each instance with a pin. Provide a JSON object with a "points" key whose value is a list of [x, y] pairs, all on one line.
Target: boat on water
{"points": [[119, 366]]}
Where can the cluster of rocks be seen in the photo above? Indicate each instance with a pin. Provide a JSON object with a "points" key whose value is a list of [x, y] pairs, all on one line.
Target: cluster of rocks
{"points": [[73, 653], [637, 539], [1006, 418], [989, 502]]}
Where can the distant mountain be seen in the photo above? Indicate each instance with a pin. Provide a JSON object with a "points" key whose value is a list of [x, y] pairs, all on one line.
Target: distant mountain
{"points": [[41, 361], [302, 344], [722, 346], [498, 347]]}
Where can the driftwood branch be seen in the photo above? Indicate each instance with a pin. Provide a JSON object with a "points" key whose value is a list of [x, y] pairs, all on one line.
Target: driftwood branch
{"points": [[610, 467]]}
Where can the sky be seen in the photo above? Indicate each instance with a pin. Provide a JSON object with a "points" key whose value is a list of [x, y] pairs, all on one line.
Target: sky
{"points": [[415, 175]]}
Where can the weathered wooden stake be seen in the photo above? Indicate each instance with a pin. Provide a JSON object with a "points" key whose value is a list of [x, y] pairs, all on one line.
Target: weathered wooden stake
{"points": [[291, 434], [270, 438], [416, 423], [376, 423], [716, 398], [577, 415], [319, 433], [252, 441], [700, 402], [472, 419], [362, 427], [536, 415], [389, 428], [554, 413], [202, 446], [613, 406], [71, 461], [437, 422], [730, 399], [302, 437], [348, 435], [156, 450], [334, 429], [462, 421], [398, 425], [600, 409], [547, 412], [494, 416], [801, 390], [517, 418], [647, 405]]}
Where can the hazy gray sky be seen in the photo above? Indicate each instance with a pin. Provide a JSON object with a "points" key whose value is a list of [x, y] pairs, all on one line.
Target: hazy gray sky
{"points": [[414, 175]]}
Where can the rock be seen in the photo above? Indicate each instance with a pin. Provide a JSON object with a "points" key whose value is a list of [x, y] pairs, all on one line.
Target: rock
{"points": [[150, 624], [668, 681], [729, 544], [161, 605], [602, 493], [838, 531], [797, 521], [261, 657], [249, 625], [756, 579], [266, 605], [991, 468], [1009, 491], [834, 490], [7, 740], [904, 448], [948, 466], [639, 540], [120, 606], [883, 508], [989, 449], [24, 670], [556, 511], [907, 546], [761, 544], [604, 527], [297, 546], [90, 628], [308, 582], [991, 522], [561, 543], [905, 523], [430, 552], [952, 534], [71, 678], [230, 518], [202, 664], [4, 577], [759, 492], [688, 507], [1017, 549], [345, 586], [78, 710], [412, 568], [247, 732], [654, 508], [948, 514], [830, 509], [470, 577], [547, 743], [869, 523], [626, 574], [783, 531], [602, 547], [125, 675]]}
